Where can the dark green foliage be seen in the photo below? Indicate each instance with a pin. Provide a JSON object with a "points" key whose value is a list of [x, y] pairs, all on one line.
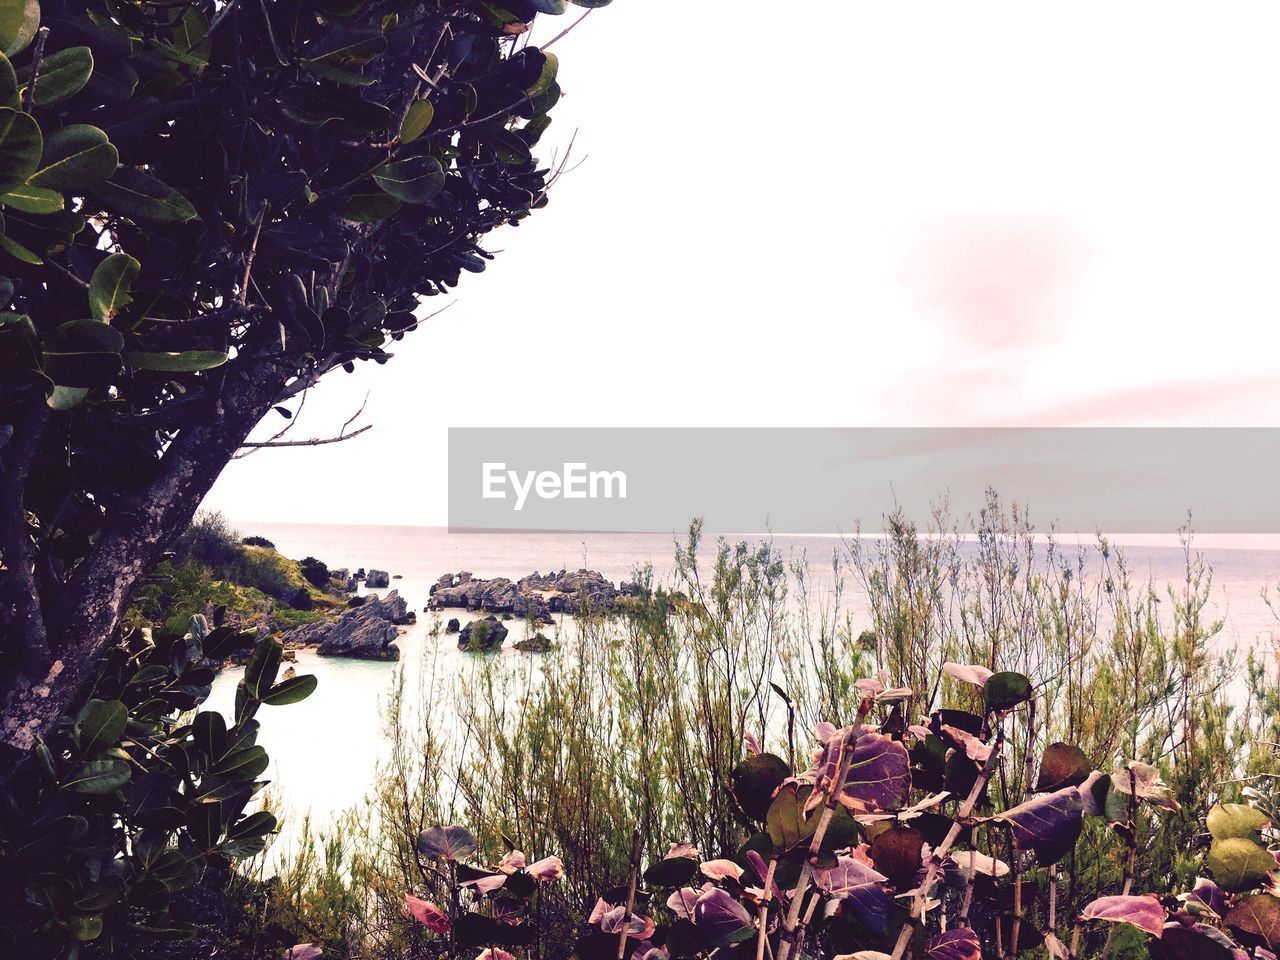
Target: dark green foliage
{"points": [[315, 571], [127, 804], [204, 208], [256, 541]]}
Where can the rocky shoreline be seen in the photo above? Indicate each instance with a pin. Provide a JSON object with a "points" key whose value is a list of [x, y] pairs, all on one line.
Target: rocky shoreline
{"points": [[534, 598], [370, 625], [367, 630]]}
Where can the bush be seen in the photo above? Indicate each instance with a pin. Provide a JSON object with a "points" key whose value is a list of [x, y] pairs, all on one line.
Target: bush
{"points": [[316, 572], [256, 541], [209, 540], [134, 799]]}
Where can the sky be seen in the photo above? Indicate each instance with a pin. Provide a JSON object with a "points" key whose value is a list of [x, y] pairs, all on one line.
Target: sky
{"points": [[926, 214]]}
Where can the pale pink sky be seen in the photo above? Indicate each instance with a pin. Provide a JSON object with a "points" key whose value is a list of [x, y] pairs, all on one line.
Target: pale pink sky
{"points": [[925, 214]]}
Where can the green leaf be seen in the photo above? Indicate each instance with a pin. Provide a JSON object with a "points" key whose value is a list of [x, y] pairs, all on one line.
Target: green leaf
{"points": [[753, 781], [192, 361], [86, 336], [20, 146], [1228, 820], [1005, 690], [98, 777], [243, 765], [1238, 863], [109, 287], [76, 158], [8, 84], [64, 398], [63, 74], [548, 76], [209, 730], [100, 895], [264, 664], [141, 196], [31, 199], [348, 46], [85, 927], [293, 690], [81, 368], [18, 251], [19, 20], [414, 180], [255, 825], [416, 120], [100, 723], [368, 204]]}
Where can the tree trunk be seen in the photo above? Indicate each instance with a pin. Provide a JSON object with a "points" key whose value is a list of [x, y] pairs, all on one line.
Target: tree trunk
{"points": [[128, 547]]}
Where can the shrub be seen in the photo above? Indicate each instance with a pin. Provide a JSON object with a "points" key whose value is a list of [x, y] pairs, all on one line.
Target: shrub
{"points": [[256, 541], [316, 572], [135, 798]]}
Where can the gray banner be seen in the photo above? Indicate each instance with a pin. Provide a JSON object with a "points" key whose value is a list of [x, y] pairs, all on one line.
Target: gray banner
{"points": [[821, 480]]}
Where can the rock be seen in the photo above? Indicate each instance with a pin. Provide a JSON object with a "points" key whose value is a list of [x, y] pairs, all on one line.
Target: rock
{"points": [[367, 632], [301, 600], [452, 626], [353, 585], [480, 636], [397, 576], [341, 573], [536, 597], [377, 579], [538, 643]]}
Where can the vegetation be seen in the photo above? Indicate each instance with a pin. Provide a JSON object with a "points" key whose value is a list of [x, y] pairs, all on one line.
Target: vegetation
{"points": [[1093, 783], [213, 569], [205, 208], [136, 799]]}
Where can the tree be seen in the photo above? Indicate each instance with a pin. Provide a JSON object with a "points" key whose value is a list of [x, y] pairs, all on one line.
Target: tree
{"points": [[207, 206]]}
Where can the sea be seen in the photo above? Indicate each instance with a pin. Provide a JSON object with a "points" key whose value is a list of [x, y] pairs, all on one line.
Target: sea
{"points": [[325, 751]]}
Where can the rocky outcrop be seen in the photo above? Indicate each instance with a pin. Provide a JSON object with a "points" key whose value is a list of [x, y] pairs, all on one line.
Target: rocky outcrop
{"points": [[538, 643], [535, 597], [377, 579], [480, 636], [453, 626], [367, 632]]}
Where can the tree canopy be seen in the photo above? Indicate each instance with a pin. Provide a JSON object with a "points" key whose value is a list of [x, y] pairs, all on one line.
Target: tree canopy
{"points": [[206, 206]]}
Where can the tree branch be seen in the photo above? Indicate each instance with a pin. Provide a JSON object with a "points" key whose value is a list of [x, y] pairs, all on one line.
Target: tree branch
{"points": [[27, 625], [314, 442]]}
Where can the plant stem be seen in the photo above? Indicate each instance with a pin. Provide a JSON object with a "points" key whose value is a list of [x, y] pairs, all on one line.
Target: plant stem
{"points": [[762, 933], [632, 876], [939, 855], [792, 920], [1013, 853]]}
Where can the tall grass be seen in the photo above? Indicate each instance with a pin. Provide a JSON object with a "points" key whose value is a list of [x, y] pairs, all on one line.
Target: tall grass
{"points": [[636, 721]]}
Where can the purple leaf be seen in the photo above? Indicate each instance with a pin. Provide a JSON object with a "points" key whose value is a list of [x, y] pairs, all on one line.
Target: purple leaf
{"points": [[1049, 824], [846, 875], [682, 902], [879, 775], [1209, 894], [1144, 912], [958, 944], [722, 919], [447, 843], [862, 890]]}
